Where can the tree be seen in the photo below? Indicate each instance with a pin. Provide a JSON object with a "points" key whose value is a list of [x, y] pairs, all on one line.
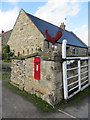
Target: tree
{"points": [[6, 53]]}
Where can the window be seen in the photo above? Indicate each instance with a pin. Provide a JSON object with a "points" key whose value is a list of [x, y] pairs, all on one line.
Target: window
{"points": [[32, 48], [75, 51], [27, 51], [23, 51], [83, 52]]}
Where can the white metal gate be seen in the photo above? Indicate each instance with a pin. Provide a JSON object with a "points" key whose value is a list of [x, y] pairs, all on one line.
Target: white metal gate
{"points": [[76, 82], [77, 77]]}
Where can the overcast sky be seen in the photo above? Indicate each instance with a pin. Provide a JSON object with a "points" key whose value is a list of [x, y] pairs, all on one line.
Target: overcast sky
{"points": [[53, 11]]}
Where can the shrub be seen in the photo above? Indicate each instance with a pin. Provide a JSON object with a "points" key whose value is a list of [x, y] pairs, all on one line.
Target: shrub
{"points": [[20, 55], [10, 54], [6, 49], [6, 53], [39, 49]]}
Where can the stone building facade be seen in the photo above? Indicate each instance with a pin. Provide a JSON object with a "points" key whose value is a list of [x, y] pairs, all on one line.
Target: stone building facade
{"points": [[4, 37], [25, 37], [28, 42]]}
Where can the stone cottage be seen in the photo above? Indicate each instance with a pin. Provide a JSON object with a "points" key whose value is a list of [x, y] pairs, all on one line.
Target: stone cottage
{"points": [[36, 68], [4, 37]]}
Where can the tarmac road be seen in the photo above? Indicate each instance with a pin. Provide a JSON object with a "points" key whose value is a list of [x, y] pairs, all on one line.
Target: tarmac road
{"points": [[80, 109], [16, 106]]}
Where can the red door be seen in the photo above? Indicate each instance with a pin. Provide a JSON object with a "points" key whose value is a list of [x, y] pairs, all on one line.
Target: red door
{"points": [[37, 68]]}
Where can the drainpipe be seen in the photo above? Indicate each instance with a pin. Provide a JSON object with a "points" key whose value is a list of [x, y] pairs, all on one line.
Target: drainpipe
{"points": [[64, 43]]}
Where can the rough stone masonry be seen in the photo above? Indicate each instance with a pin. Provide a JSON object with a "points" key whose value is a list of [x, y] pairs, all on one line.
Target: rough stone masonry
{"points": [[49, 87]]}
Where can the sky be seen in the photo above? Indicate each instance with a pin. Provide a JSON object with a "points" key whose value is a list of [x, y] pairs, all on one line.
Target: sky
{"points": [[74, 13]]}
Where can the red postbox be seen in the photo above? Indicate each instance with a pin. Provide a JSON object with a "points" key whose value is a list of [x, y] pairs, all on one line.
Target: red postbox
{"points": [[37, 68]]}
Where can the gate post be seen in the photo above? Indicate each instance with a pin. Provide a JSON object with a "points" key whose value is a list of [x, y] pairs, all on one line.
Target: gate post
{"points": [[79, 77], [65, 80], [64, 69]]}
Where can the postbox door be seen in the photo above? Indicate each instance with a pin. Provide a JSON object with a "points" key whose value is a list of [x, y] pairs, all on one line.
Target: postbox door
{"points": [[37, 68]]}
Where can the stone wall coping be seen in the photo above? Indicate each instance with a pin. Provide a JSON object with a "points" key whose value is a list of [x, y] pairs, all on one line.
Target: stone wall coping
{"points": [[46, 55]]}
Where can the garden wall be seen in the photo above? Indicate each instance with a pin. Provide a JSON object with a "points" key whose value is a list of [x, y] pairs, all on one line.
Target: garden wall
{"points": [[49, 87]]}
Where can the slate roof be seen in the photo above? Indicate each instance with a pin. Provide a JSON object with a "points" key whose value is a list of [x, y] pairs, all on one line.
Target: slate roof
{"points": [[71, 38]]}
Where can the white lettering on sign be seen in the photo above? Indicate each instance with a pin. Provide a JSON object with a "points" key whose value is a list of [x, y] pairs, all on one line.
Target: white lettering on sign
{"points": [[36, 67]]}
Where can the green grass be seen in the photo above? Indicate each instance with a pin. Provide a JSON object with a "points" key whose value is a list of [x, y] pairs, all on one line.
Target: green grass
{"points": [[42, 105], [75, 99]]}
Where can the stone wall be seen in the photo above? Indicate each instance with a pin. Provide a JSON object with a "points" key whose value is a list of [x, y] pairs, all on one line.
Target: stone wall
{"points": [[49, 87], [81, 51], [18, 73]]}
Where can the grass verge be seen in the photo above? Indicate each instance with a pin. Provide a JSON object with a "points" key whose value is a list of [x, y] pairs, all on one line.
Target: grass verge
{"points": [[43, 105], [75, 99]]}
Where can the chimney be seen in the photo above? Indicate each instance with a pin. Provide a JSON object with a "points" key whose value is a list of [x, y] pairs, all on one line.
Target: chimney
{"points": [[2, 31], [62, 26]]}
